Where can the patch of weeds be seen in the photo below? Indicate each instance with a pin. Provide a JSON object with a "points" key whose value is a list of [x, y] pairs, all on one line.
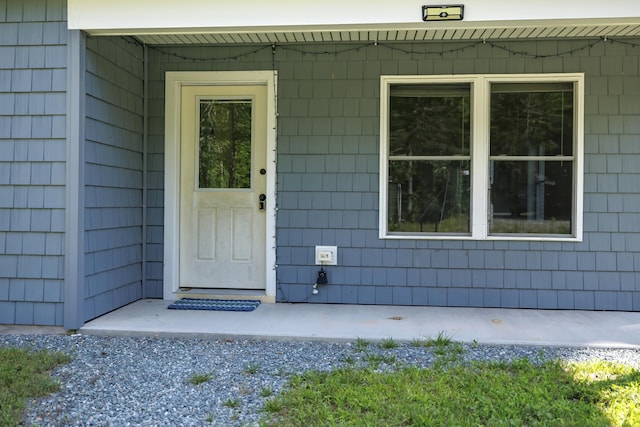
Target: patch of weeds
{"points": [[23, 375], [232, 403], [252, 368], [274, 406], [445, 348], [197, 379], [266, 391], [361, 344], [388, 343], [417, 343], [441, 341], [375, 360], [449, 354], [349, 360], [209, 419], [453, 348]]}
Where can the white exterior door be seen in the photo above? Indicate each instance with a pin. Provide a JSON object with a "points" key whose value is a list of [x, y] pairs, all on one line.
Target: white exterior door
{"points": [[223, 132]]}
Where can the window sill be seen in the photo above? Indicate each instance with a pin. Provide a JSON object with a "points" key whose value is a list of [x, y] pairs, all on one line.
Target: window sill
{"points": [[520, 238]]}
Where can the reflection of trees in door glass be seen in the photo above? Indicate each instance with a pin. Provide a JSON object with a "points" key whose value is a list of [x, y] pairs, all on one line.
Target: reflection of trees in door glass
{"points": [[225, 144]]}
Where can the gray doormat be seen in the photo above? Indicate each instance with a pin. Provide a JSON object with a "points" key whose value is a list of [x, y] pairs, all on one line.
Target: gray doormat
{"points": [[214, 304]]}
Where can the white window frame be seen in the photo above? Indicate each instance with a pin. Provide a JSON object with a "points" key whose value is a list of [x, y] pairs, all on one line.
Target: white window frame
{"points": [[480, 130]]}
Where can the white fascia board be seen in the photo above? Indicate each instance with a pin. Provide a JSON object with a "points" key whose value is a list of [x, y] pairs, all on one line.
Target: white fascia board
{"points": [[136, 16]]}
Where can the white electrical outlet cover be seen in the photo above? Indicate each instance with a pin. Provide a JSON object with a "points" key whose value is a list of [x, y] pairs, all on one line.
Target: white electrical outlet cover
{"points": [[326, 255]]}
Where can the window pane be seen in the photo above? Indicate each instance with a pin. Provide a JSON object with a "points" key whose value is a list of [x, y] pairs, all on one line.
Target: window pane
{"points": [[225, 144], [429, 120], [428, 196], [531, 119], [531, 197]]}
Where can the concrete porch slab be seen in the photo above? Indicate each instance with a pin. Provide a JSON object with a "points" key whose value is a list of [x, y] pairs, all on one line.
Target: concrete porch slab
{"points": [[349, 322]]}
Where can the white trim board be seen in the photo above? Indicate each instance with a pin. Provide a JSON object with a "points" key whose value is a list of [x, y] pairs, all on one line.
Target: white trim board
{"points": [[250, 15], [174, 82]]}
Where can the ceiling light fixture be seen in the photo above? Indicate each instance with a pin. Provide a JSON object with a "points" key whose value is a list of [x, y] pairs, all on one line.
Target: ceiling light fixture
{"points": [[443, 13]]}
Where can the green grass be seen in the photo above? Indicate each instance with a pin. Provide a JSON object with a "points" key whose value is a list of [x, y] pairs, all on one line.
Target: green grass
{"points": [[197, 379], [443, 346], [375, 360], [361, 344], [266, 392], [521, 393], [441, 341], [232, 403], [388, 343], [252, 368], [615, 389], [23, 375]]}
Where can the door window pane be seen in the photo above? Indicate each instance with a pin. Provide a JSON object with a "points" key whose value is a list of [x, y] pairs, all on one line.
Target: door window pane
{"points": [[225, 144]]}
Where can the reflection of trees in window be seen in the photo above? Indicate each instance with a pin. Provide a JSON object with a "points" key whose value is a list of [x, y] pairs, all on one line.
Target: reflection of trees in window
{"points": [[225, 144], [531, 153], [531, 120], [429, 158], [526, 178], [430, 196], [429, 126]]}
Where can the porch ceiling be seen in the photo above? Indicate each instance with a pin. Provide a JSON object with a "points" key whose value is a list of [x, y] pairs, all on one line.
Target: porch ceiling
{"points": [[458, 31]]}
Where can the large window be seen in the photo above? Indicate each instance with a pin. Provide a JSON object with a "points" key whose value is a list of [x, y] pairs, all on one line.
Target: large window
{"points": [[481, 157]]}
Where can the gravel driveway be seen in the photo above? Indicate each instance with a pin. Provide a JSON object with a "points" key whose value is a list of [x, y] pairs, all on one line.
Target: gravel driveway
{"points": [[145, 381]]}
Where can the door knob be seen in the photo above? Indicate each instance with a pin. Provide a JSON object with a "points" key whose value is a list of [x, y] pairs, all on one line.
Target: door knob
{"points": [[262, 198]]}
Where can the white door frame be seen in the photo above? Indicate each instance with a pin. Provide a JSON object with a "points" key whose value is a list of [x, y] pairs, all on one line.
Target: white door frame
{"points": [[173, 87]]}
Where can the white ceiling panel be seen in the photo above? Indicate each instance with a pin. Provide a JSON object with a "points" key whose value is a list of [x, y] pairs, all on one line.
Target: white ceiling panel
{"points": [[390, 34]]}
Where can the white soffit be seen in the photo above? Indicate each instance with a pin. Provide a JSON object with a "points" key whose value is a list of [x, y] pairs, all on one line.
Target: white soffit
{"points": [[284, 21], [541, 31]]}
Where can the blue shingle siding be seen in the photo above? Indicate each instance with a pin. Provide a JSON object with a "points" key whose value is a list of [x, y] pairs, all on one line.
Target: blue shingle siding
{"points": [[32, 160], [328, 160], [113, 214]]}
